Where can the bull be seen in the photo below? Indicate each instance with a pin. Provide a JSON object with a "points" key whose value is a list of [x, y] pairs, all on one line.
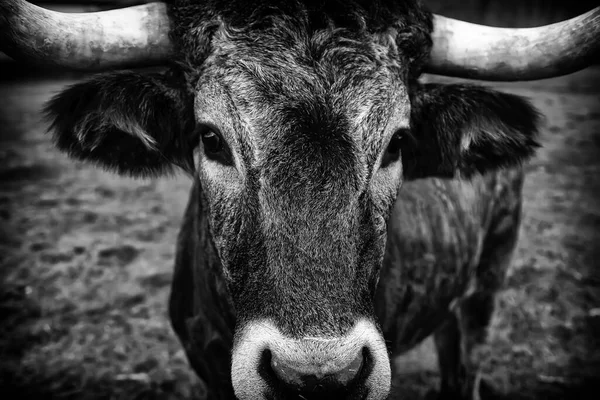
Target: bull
{"points": [[301, 266]]}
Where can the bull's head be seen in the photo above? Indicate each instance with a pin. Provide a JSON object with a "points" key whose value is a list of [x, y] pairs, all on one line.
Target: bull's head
{"points": [[299, 124]]}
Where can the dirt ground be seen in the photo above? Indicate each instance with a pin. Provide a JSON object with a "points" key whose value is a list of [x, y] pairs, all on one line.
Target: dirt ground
{"points": [[86, 260]]}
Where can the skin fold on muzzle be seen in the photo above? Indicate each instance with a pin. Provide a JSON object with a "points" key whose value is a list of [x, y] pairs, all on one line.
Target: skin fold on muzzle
{"points": [[314, 357]]}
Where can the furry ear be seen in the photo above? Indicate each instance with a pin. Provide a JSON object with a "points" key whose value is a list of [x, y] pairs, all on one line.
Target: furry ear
{"points": [[134, 124], [466, 130]]}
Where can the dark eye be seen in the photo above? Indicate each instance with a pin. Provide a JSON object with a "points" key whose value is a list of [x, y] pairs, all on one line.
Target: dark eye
{"points": [[392, 152], [215, 147], [212, 142]]}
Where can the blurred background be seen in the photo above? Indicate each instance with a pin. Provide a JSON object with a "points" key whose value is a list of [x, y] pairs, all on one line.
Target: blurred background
{"points": [[86, 256], [512, 13]]}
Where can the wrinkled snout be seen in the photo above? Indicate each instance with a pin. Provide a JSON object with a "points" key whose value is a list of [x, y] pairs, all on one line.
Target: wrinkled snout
{"points": [[267, 364]]}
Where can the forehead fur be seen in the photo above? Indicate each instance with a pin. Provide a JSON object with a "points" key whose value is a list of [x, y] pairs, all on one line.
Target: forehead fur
{"points": [[324, 98], [194, 22]]}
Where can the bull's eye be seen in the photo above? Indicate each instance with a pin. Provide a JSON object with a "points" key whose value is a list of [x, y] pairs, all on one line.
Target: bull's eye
{"points": [[215, 147], [392, 152], [212, 142]]}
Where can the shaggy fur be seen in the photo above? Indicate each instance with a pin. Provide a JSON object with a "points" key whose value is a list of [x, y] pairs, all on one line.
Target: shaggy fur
{"points": [[196, 22], [320, 108]]}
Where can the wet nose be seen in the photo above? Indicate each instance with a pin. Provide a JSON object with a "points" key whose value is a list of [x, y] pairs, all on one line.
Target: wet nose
{"points": [[315, 378]]}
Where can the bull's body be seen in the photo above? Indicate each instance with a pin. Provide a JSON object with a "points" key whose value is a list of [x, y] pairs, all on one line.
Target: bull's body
{"points": [[449, 241]]}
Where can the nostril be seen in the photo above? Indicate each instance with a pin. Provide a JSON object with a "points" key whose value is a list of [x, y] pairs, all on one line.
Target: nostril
{"points": [[346, 374], [285, 372], [313, 377]]}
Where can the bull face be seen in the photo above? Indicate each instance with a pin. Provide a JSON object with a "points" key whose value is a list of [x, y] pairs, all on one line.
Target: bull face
{"points": [[299, 142], [299, 165]]}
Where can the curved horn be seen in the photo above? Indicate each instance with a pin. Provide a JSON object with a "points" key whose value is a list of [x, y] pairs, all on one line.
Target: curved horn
{"points": [[466, 50], [85, 41]]}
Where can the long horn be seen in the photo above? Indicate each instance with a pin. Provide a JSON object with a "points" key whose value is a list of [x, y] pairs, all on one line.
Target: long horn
{"points": [[466, 50], [133, 36]]}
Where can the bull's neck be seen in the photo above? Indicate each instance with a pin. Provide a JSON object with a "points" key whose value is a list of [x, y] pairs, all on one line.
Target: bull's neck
{"points": [[200, 307]]}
